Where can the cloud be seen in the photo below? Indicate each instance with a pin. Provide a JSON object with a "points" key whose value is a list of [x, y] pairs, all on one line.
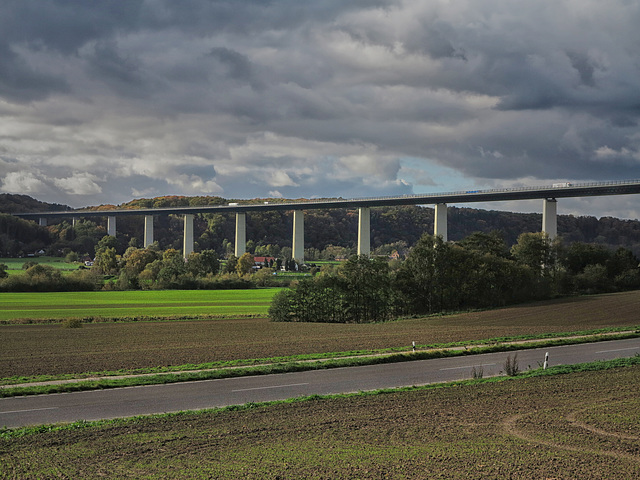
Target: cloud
{"points": [[102, 101], [22, 182], [78, 184]]}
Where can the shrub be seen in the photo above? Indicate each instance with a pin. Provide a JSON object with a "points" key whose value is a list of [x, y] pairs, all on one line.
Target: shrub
{"points": [[511, 366], [72, 323]]}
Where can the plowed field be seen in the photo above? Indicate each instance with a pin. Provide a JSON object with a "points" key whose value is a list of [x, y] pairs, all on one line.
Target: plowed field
{"points": [[49, 349], [578, 426]]}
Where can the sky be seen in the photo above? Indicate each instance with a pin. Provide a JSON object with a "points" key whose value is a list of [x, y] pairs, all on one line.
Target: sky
{"points": [[103, 102]]}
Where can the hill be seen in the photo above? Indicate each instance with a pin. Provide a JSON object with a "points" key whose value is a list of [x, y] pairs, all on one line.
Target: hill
{"points": [[12, 203], [391, 227]]}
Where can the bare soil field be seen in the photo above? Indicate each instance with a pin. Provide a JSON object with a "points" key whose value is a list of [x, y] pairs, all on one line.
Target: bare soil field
{"points": [[575, 426], [50, 349]]}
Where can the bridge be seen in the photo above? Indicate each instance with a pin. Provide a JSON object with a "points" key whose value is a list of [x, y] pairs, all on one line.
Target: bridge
{"points": [[549, 195]]}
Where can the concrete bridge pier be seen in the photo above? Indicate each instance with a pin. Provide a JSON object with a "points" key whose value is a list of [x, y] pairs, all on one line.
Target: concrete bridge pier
{"points": [[298, 236], [111, 225], [148, 230], [364, 231], [187, 240], [550, 217], [42, 221], [241, 234], [440, 221]]}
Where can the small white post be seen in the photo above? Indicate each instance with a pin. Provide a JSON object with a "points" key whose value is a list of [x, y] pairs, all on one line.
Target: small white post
{"points": [[546, 361], [414, 345]]}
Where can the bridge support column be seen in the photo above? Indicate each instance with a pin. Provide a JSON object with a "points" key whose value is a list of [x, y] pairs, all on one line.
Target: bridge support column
{"points": [[74, 220], [111, 226], [42, 221], [364, 231], [187, 239], [298, 236], [440, 221], [241, 234], [148, 230], [550, 217]]}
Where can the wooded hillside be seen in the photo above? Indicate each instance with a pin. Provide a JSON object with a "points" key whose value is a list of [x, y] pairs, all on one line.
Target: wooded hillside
{"points": [[391, 227]]}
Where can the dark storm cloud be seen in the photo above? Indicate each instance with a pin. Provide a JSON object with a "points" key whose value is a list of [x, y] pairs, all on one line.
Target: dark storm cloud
{"points": [[22, 83], [244, 98], [65, 25]]}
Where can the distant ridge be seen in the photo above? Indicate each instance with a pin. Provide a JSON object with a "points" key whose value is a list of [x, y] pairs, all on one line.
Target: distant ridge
{"points": [[338, 227], [16, 203]]}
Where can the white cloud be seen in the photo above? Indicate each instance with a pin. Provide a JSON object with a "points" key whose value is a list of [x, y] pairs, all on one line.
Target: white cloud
{"points": [[22, 182], [79, 184], [280, 179], [196, 185]]}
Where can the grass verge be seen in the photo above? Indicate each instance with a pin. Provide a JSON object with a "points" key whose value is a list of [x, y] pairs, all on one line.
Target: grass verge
{"points": [[6, 433], [218, 370]]}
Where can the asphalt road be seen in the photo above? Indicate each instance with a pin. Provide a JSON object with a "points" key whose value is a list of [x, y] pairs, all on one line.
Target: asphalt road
{"points": [[131, 401]]}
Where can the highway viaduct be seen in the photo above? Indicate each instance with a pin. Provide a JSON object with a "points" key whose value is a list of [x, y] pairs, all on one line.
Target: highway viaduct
{"points": [[549, 195]]}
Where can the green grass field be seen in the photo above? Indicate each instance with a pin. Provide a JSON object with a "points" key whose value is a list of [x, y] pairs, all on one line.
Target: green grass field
{"points": [[60, 305], [15, 264]]}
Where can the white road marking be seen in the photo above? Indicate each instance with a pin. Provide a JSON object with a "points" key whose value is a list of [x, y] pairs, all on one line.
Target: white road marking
{"points": [[273, 386], [618, 350], [468, 366], [30, 410]]}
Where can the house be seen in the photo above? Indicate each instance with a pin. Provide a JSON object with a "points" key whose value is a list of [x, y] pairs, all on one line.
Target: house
{"points": [[262, 261]]}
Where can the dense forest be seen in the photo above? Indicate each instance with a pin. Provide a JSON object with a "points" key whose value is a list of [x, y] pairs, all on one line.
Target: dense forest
{"points": [[328, 233]]}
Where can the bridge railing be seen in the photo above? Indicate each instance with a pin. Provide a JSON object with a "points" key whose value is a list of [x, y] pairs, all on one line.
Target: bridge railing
{"points": [[472, 192]]}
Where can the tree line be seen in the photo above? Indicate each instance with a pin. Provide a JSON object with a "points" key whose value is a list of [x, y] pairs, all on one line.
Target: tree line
{"points": [[329, 234], [480, 271]]}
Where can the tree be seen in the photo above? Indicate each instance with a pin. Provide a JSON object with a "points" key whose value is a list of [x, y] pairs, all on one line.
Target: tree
{"points": [[420, 279], [231, 265], [108, 241], [367, 287], [280, 309], [538, 252], [173, 265], [358, 293], [203, 263], [486, 243], [593, 279], [106, 260], [71, 257], [245, 264], [578, 255], [3, 270], [136, 259]]}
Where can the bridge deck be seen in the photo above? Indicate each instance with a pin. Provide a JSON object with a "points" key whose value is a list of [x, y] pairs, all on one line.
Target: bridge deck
{"points": [[470, 196]]}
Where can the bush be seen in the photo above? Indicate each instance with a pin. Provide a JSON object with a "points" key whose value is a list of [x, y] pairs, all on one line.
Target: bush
{"points": [[511, 366], [72, 323]]}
